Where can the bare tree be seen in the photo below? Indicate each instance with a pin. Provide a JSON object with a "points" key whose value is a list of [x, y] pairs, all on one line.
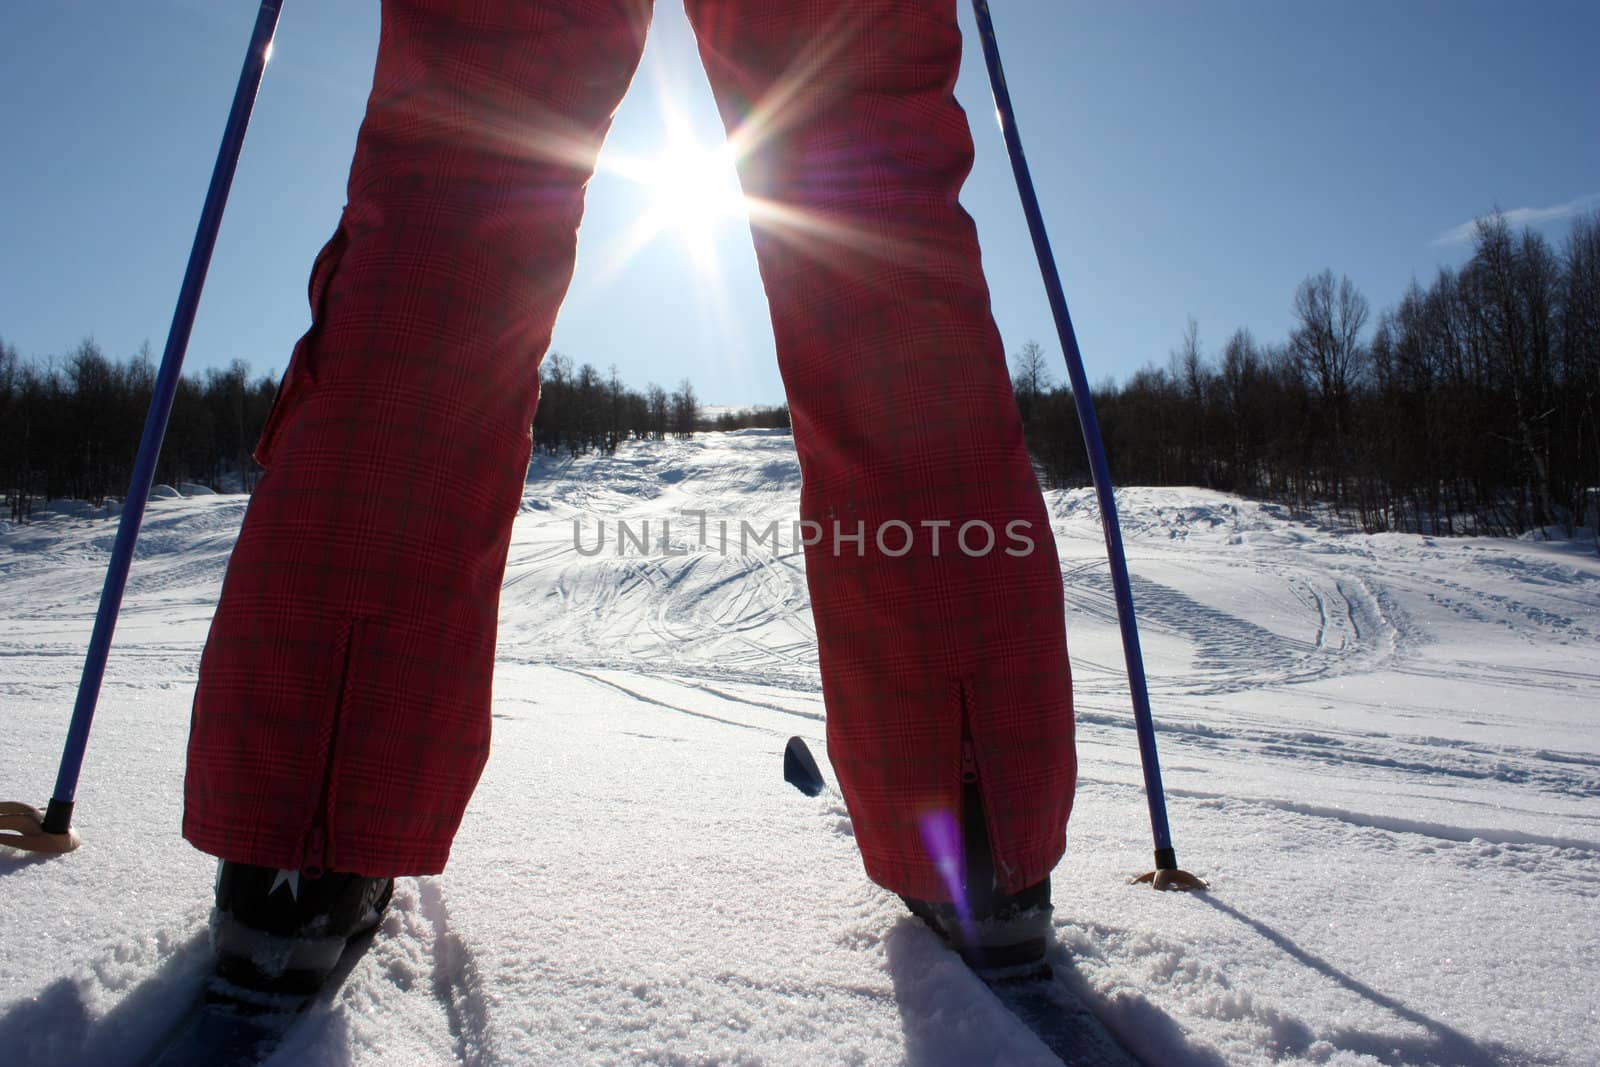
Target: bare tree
{"points": [[1580, 362], [13, 432], [1515, 282], [1030, 376], [1327, 353], [1188, 366], [685, 410], [659, 407], [1239, 387], [1193, 378], [1327, 342]]}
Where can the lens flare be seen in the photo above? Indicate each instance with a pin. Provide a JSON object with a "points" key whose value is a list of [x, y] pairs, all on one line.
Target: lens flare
{"points": [[941, 836]]}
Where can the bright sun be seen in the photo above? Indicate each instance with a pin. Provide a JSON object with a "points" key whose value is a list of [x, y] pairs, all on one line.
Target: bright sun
{"points": [[693, 187], [691, 191]]}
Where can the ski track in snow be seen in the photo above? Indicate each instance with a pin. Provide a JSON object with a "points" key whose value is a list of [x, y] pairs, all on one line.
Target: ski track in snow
{"points": [[1379, 749]]}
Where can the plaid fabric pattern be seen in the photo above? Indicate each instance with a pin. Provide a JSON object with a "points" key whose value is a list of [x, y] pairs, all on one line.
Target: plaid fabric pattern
{"points": [[342, 716]]}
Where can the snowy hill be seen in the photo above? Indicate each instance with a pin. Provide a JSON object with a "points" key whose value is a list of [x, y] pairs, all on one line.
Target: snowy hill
{"points": [[1379, 749]]}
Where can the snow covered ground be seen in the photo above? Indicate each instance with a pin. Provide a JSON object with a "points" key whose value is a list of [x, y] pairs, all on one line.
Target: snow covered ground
{"points": [[1380, 750]]}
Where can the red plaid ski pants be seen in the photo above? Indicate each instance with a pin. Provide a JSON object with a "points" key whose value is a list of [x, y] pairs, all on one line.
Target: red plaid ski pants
{"points": [[343, 709]]}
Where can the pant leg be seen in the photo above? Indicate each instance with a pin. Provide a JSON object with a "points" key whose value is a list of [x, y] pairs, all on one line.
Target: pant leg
{"points": [[854, 149], [342, 714]]}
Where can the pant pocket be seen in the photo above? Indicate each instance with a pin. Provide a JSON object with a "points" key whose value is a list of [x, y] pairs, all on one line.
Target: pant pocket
{"points": [[300, 376]]}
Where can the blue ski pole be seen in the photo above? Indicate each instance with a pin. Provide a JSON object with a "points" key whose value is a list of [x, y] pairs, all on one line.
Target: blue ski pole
{"points": [[53, 832], [1166, 875]]}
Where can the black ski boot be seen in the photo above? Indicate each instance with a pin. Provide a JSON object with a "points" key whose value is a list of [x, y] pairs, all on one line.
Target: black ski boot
{"points": [[284, 931], [1007, 939], [1004, 936]]}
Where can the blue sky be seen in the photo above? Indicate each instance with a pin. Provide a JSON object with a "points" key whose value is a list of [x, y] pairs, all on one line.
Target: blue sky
{"points": [[1193, 159]]}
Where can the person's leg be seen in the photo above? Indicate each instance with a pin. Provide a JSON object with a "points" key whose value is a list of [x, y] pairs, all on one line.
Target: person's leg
{"points": [[854, 149], [342, 715]]}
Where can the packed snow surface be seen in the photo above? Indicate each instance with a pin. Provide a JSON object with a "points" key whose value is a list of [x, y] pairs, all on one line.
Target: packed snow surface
{"points": [[1380, 750]]}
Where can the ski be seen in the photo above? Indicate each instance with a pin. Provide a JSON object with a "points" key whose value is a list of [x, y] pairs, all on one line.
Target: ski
{"points": [[800, 768], [1039, 1000], [229, 1026], [1062, 1021]]}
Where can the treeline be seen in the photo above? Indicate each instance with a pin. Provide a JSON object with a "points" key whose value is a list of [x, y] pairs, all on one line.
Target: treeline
{"points": [[580, 411], [70, 426], [1471, 407]]}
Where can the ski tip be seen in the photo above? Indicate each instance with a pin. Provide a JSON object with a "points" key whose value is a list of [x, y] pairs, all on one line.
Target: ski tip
{"points": [[800, 768]]}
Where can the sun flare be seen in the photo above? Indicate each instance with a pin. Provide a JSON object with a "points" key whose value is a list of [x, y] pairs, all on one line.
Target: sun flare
{"points": [[693, 188], [689, 191]]}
